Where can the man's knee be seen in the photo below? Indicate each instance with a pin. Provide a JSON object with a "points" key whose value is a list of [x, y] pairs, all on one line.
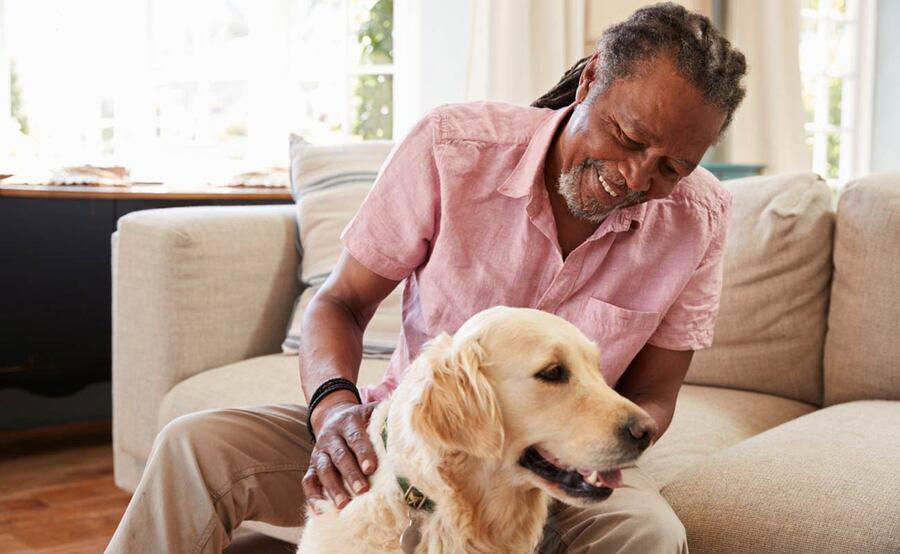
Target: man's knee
{"points": [[651, 527], [659, 528], [194, 433], [668, 530]]}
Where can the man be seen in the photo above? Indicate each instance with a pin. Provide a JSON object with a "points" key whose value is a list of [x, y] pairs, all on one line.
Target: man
{"points": [[594, 210]]}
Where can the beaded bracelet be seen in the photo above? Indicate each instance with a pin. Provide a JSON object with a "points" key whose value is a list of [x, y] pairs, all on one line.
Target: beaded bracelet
{"points": [[326, 388]]}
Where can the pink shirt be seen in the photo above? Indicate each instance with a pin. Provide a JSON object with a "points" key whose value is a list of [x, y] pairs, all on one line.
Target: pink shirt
{"points": [[460, 210]]}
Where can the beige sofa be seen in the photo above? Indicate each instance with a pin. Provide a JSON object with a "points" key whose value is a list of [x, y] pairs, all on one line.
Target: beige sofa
{"points": [[786, 437]]}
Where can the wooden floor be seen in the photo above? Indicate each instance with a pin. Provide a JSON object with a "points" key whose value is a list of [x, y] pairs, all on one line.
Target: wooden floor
{"points": [[57, 493]]}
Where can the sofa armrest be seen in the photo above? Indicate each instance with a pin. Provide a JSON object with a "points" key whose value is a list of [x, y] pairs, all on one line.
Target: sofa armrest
{"points": [[193, 289]]}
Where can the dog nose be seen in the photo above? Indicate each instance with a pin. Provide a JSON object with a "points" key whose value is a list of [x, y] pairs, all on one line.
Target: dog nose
{"points": [[638, 430]]}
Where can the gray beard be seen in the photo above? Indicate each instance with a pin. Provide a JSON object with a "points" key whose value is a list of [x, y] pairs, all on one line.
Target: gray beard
{"points": [[589, 209]]}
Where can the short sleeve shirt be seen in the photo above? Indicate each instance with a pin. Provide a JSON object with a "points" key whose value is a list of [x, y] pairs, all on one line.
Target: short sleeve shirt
{"points": [[459, 210]]}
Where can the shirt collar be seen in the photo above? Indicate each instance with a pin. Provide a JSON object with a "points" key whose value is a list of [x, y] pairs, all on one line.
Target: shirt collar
{"points": [[529, 171], [523, 178]]}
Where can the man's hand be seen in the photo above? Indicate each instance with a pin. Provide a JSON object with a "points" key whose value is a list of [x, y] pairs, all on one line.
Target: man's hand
{"points": [[343, 451]]}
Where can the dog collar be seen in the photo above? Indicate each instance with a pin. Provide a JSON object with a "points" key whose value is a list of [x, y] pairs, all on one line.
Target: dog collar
{"points": [[413, 497]]}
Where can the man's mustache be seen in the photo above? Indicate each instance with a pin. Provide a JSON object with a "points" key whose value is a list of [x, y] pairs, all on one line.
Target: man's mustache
{"points": [[615, 179]]}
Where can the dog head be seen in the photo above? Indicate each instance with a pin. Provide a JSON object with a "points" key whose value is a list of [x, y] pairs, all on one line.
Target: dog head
{"points": [[523, 387]]}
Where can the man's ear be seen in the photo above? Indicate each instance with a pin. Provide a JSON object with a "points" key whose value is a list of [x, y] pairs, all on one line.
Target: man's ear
{"points": [[587, 79], [458, 408]]}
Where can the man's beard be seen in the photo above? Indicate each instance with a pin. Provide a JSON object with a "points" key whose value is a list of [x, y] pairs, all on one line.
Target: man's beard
{"points": [[588, 207]]}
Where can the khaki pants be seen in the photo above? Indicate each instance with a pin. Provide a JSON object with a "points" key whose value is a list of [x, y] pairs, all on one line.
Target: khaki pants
{"points": [[209, 471]]}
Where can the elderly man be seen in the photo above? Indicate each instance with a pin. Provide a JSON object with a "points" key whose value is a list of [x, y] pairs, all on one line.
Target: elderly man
{"points": [[589, 204]]}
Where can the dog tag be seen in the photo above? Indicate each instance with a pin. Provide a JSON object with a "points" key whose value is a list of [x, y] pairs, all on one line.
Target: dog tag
{"points": [[410, 538]]}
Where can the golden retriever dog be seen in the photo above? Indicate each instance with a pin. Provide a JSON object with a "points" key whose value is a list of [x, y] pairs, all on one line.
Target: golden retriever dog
{"points": [[489, 425]]}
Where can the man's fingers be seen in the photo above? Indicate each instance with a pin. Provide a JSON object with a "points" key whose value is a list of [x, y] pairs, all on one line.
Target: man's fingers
{"points": [[330, 479], [359, 442], [345, 460], [312, 489]]}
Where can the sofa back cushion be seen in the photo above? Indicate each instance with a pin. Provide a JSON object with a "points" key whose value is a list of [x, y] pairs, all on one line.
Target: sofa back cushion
{"points": [[771, 324], [316, 166], [329, 184], [862, 349]]}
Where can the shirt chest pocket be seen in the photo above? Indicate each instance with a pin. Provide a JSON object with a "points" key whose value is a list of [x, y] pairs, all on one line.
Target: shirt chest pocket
{"points": [[614, 317], [619, 332]]}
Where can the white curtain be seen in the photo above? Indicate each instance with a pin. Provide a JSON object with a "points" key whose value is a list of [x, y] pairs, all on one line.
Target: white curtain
{"points": [[768, 127], [519, 49]]}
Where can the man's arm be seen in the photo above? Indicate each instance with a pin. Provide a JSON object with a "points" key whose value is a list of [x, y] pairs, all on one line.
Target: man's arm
{"points": [[333, 327], [652, 381], [331, 336]]}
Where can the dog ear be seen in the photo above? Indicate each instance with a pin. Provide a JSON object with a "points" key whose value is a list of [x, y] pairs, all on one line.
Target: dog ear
{"points": [[458, 408]]}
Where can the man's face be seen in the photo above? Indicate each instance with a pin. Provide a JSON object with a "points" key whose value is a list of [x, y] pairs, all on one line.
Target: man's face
{"points": [[633, 141]]}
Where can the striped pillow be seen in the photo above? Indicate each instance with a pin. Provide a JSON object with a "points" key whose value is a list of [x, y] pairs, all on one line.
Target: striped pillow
{"points": [[329, 183]]}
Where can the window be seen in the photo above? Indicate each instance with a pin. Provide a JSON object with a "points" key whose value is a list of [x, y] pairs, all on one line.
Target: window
{"points": [[180, 89], [836, 55]]}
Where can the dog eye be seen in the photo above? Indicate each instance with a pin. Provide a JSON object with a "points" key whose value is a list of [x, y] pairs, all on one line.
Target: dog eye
{"points": [[553, 374]]}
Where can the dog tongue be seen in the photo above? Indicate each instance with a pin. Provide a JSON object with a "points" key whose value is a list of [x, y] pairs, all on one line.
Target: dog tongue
{"points": [[611, 478]]}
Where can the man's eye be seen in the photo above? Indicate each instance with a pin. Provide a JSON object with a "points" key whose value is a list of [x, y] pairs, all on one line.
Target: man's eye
{"points": [[627, 141], [553, 374]]}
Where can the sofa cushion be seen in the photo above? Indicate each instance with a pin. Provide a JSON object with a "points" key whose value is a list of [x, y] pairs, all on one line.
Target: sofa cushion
{"points": [[329, 184], [272, 379], [708, 419], [862, 350], [771, 323], [321, 216], [825, 482]]}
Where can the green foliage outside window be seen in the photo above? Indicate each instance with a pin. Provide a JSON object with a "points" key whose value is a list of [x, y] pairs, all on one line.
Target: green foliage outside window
{"points": [[376, 34], [15, 91], [374, 93], [374, 118], [834, 155]]}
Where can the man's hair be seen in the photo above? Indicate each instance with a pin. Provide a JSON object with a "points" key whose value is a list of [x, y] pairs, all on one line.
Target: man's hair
{"points": [[700, 53]]}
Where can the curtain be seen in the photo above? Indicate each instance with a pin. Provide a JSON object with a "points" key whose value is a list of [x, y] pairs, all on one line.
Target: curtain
{"points": [[768, 127], [519, 49]]}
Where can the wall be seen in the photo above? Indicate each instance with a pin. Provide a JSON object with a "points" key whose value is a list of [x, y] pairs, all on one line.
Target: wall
{"points": [[886, 108], [431, 57]]}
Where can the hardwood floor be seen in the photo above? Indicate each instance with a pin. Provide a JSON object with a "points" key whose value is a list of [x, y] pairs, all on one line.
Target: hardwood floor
{"points": [[57, 493]]}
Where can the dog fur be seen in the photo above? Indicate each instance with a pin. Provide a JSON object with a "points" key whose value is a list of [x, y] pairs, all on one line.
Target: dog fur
{"points": [[458, 424]]}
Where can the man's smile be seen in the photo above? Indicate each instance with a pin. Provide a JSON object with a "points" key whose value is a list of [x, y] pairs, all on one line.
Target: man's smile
{"points": [[591, 196]]}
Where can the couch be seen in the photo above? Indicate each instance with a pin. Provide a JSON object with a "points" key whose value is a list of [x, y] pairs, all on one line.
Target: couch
{"points": [[786, 435]]}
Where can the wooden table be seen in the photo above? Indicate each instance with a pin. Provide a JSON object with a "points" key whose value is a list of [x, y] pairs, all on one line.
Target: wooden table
{"points": [[55, 284], [143, 192]]}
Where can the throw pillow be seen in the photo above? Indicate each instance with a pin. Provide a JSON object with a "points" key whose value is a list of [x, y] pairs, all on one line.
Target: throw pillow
{"points": [[329, 183]]}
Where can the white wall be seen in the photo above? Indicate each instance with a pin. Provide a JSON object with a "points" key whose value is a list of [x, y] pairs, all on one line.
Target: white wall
{"points": [[431, 56], [886, 108]]}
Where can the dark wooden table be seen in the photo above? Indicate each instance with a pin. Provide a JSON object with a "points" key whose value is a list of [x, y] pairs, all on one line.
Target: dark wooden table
{"points": [[55, 280]]}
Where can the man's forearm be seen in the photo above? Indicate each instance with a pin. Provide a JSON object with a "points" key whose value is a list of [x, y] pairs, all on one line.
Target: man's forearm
{"points": [[332, 344], [332, 347]]}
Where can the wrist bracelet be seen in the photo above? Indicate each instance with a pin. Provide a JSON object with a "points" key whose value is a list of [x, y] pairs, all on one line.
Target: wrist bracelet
{"points": [[326, 388]]}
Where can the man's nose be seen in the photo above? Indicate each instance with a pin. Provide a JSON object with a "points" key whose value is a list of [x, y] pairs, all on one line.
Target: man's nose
{"points": [[638, 173]]}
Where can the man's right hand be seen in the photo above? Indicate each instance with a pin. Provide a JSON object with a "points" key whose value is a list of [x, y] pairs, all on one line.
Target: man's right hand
{"points": [[343, 451]]}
